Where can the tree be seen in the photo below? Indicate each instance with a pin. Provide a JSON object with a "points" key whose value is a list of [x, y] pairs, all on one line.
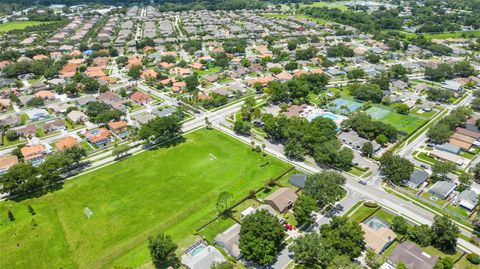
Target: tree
{"points": [[223, 265], [294, 149], [35, 102], [242, 127], [373, 260], [444, 233], [325, 187], [303, 208], [222, 201], [135, 71], [444, 263], [400, 225], [465, 179], [120, 150], [356, 74], [402, 109], [312, 250], [11, 135], [382, 139], [261, 237], [367, 92], [346, 237], [397, 71], [367, 149], [20, 179], [75, 154], [395, 168], [292, 65], [161, 129], [443, 168], [292, 44], [162, 250], [191, 83], [420, 234], [344, 262]]}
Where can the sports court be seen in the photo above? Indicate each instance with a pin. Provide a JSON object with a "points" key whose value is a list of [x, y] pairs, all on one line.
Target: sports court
{"points": [[378, 113], [342, 103]]}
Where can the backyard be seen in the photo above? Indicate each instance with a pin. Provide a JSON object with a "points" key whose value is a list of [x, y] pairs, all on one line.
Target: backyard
{"points": [[172, 190], [17, 25]]}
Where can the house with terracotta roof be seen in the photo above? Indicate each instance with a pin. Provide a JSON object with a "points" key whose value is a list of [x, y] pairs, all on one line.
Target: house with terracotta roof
{"points": [[68, 70], [45, 95], [95, 72], [179, 86], [101, 62], [120, 128], [34, 154], [196, 66], [167, 81], [39, 57], [4, 64], [141, 98], [149, 73], [262, 80], [6, 162], [66, 143], [165, 65], [179, 71], [134, 60], [99, 137]]}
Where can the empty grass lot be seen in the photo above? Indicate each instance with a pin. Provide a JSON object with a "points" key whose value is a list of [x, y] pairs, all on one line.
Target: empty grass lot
{"points": [[17, 25], [172, 190], [404, 123]]}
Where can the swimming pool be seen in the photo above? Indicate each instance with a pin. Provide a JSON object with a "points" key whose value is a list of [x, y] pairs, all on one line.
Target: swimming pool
{"points": [[197, 250], [315, 114], [376, 223]]}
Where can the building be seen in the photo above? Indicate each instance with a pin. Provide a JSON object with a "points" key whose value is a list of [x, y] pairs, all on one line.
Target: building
{"points": [[99, 137], [77, 116], [447, 156], [282, 199], [377, 235], [201, 256], [450, 148], [412, 256], [36, 114], [66, 143], [34, 154], [298, 180], [353, 140], [53, 126], [442, 189], [141, 98], [84, 100], [229, 240], [467, 199], [469, 133], [119, 127], [417, 178], [27, 131], [164, 112], [6, 162], [144, 119]]}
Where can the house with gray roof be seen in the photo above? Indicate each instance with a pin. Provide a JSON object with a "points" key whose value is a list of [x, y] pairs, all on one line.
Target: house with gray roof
{"points": [[467, 199], [201, 256], [298, 180], [164, 112], [229, 240], [412, 256], [417, 178], [442, 189], [84, 100]]}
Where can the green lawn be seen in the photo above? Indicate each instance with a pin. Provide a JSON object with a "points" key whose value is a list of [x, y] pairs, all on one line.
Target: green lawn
{"points": [[17, 25], [362, 213], [297, 16], [171, 190], [404, 123], [340, 5], [208, 71], [457, 34]]}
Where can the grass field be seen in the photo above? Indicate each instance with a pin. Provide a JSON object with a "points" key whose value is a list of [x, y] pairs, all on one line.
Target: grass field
{"points": [[404, 123], [171, 190], [17, 25], [340, 5], [457, 34], [297, 16]]}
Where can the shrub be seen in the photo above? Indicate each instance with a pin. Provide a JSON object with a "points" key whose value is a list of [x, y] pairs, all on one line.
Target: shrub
{"points": [[10, 216], [473, 258], [31, 210], [370, 204], [252, 194]]}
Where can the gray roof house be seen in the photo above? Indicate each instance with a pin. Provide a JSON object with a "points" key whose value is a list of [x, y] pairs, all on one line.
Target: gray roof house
{"points": [[442, 189], [412, 256], [417, 178], [467, 199], [164, 112], [298, 180], [201, 256], [230, 241], [356, 142], [145, 118], [449, 148], [84, 100]]}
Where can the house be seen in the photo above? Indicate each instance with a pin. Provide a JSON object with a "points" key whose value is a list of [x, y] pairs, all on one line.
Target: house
{"points": [[417, 178], [45, 95], [282, 199], [11, 120], [144, 119], [353, 140], [461, 144], [450, 148], [84, 100], [60, 107], [34, 154], [467, 132], [141, 98], [377, 236], [164, 112], [35, 114], [467, 199], [108, 97], [55, 125], [98, 137], [66, 143], [201, 256], [452, 85], [27, 131], [6, 162], [77, 116], [119, 127], [295, 111], [442, 189], [412, 256], [447, 156], [149, 73], [229, 240], [298, 180]]}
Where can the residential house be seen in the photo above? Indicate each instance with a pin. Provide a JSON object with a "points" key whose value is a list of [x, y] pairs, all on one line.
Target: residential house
{"points": [[282, 199], [77, 116], [141, 98], [295, 110], [412, 256], [417, 178], [45, 95], [447, 156], [35, 114], [164, 112], [34, 154], [29, 130], [201, 256], [144, 119], [353, 140], [467, 199], [55, 125], [229, 240], [298, 180], [84, 100], [119, 127], [98, 137], [11, 120], [6, 162], [66, 143], [377, 237], [442, 189]]}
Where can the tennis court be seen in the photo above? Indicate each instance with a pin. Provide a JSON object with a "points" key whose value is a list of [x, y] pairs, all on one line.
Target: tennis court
{"points": [[377, 113], [342, 103]]}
